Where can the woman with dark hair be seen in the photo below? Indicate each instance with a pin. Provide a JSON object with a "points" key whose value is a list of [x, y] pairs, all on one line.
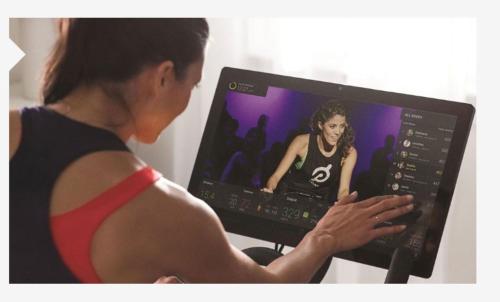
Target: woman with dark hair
{"points": [[323, 160], [83, 208]]}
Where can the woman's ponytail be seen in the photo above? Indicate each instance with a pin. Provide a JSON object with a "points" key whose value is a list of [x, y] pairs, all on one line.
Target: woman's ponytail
{"points": [[90, 51]]}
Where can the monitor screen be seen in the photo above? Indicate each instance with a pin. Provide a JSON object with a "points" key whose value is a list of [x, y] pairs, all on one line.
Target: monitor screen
{"points": [[285, 155]]}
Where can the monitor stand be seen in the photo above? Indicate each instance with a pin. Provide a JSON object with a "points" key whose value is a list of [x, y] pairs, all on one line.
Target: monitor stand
{"points": [[399, 269], [265, 255], [401, 265]]}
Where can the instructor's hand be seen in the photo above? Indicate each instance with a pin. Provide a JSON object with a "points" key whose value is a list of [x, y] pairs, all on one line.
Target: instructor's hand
{"points": [[267, 190], [349, 225]]}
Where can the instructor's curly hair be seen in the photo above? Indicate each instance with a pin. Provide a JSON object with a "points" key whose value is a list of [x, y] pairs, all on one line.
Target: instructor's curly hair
{"points": [[325, 112]]}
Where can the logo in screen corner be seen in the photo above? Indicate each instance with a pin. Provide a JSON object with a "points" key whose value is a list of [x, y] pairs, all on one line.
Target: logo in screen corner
{"points": [[233, 85]]}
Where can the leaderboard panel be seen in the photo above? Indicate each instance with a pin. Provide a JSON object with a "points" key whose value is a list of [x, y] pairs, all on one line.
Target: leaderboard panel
{"points": [[417, 168]]}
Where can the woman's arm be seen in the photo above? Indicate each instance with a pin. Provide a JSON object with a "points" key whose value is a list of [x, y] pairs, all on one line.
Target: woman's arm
{"points": [[166, 231], [346, 173], [293, 150], [200, 250]]}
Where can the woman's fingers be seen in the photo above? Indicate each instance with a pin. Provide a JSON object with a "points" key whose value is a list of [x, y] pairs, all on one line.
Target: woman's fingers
{"points": [[347, 199], [389, 203], [171, 279], [373, 200], [382, 231], [390, 214], [266, 190]]}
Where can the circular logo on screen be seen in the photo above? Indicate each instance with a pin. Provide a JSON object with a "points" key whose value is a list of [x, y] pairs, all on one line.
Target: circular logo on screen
{"points": [[233, 85], [321, 174]]}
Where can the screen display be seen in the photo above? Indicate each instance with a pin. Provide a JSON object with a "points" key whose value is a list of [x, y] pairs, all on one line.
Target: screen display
{"points": [[287, 156]]}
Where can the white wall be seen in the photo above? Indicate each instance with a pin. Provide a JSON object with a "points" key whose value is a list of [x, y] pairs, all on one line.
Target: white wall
{"points": [[429, 57], [35, 37]]}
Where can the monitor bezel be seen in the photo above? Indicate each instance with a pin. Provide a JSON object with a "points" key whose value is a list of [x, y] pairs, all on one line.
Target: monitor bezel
{"points": [[290, 235]]}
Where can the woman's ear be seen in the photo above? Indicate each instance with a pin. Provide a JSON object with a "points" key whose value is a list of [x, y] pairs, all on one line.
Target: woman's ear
{"points": [[320, 126], [166, 73]]}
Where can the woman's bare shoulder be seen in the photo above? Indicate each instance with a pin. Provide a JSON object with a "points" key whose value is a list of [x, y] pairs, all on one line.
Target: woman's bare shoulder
{"points": [[164, 228], [159, 225], [90, 176], [301, 140], [166, 204], [352, 151], [303, 137]]}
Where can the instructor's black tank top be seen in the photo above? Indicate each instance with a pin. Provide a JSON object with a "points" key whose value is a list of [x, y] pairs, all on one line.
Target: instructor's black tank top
{"points": [[319, 174], [49, 143]]}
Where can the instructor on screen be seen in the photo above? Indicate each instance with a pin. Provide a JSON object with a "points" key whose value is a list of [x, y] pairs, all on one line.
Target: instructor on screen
{"points": [[323, 160]]}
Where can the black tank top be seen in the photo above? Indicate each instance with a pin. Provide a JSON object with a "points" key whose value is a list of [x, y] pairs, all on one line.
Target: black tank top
{"points": [[318, 174], [49, 143]]}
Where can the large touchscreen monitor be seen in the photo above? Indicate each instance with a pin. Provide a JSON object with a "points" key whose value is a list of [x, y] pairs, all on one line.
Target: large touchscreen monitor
{"points": [[248, 171]]}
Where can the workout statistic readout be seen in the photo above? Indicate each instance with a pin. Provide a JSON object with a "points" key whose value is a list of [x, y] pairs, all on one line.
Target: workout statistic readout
{"points": [[295, 209], [207, 195]]}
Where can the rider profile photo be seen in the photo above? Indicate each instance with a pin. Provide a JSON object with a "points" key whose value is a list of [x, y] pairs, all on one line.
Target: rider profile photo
{"points": [[409, 132], [401, 165], [398, 175], [395, 186], [404, 154], [406, 143]]}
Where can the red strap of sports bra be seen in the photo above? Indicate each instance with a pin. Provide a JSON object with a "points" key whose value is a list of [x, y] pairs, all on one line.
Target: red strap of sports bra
{"points": [[73, 231]]}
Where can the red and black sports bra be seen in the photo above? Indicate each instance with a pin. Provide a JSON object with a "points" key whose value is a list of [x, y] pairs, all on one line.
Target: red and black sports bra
{"points": [[73, 231]]}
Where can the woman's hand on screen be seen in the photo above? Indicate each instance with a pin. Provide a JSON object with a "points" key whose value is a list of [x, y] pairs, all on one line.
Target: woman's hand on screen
{"points": [[348, 225], [171, 279]]}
